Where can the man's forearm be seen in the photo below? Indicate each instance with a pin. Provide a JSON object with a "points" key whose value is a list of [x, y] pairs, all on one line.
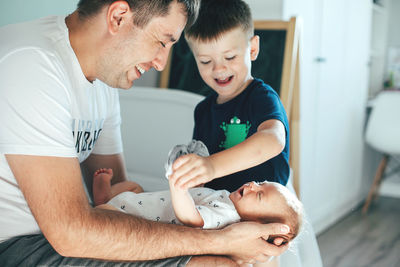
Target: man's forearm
{"points": [[112, 235]]}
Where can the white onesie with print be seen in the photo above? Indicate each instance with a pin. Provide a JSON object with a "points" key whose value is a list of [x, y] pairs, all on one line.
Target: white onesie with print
{"points": [[215, 207]]}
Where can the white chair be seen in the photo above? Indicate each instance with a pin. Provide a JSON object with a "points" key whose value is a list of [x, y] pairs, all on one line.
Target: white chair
{"points": [[383, 134], [153, 121]]}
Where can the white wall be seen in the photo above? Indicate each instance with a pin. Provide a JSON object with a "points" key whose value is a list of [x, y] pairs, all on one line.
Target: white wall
{"points": [[393, 42], [22, 10], [333, 99], [262, 9], [394, 22]]}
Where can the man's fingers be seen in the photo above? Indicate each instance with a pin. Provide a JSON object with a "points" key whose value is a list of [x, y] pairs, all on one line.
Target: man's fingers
{"points": [[263, 258], [276, 228], [278, 241], [240, 262], [276, 248], [273, 250]]}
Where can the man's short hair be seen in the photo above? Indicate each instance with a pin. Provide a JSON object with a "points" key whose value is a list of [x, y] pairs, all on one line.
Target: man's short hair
{"points": [[144, 10], [217, 17]]}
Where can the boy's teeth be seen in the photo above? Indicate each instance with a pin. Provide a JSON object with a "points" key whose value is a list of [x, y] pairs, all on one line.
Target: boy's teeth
{"points": [[141, 70]]}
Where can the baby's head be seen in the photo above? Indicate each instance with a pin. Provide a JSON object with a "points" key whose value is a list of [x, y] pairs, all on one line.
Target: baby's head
{"points": [[269, 202], [223, 43]]}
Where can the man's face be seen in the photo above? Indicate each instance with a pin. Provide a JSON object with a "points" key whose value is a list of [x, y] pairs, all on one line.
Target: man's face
{"points": [[225, 64], [136, 50]]}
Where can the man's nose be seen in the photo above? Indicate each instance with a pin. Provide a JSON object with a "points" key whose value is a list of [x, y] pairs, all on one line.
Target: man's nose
{"points": [[161, 59]]}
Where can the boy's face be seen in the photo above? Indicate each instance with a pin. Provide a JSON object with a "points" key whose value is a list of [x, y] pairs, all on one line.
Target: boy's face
{"points": [[225, 64], [260, 200]]}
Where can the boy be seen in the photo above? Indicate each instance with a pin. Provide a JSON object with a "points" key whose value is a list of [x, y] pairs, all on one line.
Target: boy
{"points": [[242, 123]]}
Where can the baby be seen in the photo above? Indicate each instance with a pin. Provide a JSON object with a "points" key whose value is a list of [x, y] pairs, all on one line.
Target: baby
{"points": [[263, 202]]}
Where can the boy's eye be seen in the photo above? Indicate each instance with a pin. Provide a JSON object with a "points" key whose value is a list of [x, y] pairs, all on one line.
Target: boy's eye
{"points": [[230, 58], [205, 62]]}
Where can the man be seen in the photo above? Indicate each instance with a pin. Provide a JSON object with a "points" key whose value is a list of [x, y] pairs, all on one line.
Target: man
{"points": [[63, 112]]}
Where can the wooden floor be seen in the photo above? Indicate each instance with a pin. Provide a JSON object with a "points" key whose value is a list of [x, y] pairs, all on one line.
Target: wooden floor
{"points": [[371, 240]]}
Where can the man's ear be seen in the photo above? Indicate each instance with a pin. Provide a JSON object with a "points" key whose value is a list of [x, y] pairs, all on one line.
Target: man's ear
{"points": [[118, 13], [254, 47]]}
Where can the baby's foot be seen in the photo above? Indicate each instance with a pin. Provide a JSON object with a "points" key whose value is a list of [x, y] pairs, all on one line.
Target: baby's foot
{"points": [[103, 173], [102, 186]]}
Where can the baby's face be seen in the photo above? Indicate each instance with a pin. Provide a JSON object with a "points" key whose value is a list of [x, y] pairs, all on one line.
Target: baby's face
{"points": [[259, 200], [225, 63]]}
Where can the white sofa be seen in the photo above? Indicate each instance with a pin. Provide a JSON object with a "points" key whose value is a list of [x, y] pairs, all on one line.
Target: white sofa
{"points": [[153, 121]]}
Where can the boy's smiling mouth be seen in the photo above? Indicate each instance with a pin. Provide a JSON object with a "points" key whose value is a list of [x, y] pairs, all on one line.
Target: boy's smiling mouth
{"points": [[223, 82]]}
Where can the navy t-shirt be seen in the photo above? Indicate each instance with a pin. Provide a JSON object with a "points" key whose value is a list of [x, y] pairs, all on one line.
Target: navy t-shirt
{"points": [[221, 126]]}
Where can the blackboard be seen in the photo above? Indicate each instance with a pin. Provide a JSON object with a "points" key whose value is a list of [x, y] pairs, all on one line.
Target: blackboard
{"points": [[184, 74]]}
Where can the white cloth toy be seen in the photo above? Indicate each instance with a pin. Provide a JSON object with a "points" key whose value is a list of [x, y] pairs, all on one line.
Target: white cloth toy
{"points": [[194, 147]]}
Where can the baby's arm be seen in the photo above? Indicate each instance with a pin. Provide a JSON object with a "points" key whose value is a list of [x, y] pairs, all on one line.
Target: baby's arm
{"points": [[184, 207], [269, 140]]}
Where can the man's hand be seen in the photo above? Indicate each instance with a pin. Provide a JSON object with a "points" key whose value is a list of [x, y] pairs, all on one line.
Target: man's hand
{"points": [[191, 170], [247, 242]]}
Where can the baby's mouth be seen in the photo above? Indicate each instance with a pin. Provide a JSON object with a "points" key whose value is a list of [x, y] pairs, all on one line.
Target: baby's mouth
{"points": [[241, 190]]}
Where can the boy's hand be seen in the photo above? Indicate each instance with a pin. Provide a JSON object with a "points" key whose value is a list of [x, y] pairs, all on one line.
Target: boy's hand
{"points": [[191, 170]]}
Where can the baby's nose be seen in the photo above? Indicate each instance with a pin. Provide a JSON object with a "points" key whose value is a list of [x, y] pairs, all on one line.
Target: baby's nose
{"points": [[253, 185]]}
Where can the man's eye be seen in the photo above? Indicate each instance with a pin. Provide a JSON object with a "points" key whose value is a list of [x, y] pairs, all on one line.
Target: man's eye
{"points": [[163, 45], [205, 62], [230, 58]]}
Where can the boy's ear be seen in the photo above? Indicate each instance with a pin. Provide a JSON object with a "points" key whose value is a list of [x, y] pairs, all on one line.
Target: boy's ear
{"points": [[118, 13], [254, 47]]}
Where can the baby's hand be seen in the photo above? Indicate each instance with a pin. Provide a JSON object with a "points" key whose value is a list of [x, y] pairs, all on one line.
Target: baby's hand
{"points": [[191, 170]]}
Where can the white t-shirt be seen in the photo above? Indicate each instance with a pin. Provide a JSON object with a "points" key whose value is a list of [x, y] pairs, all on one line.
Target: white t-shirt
{"points": [[47, 108], [214, 206]]}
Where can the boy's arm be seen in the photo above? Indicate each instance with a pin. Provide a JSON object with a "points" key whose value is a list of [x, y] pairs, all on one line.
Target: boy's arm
{"points": [[184, 207], [269, 140]]}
